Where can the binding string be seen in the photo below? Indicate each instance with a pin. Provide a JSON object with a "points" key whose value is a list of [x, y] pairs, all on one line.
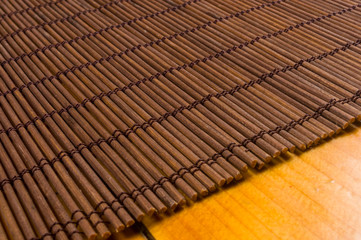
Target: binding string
{"points": [[180, 173], [194, 104], [185, 66], [109, 4], [160, 40], [14, 13]]}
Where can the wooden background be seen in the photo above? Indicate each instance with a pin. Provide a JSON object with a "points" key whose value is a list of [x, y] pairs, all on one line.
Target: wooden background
{"points": [[311, 195]]}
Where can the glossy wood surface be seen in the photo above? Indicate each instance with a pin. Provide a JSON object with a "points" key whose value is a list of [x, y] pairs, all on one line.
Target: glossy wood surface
{"points": [[310, 195]]}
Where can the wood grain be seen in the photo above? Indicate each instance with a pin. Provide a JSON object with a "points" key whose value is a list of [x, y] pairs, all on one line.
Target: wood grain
{"points": [[313, 195]]}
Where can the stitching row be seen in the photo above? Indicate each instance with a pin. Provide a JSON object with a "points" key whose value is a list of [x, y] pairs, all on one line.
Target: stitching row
{"points": [[62, 226], [180, 67], [31, 171], [245, 86], [199, 163], [118, 132], [53, 235], [43, 161], [148, 123], [292, 124], [129, 22], [158, 41], [278, 129], [208, 97], [29, 8], [134, 193], [65, 18], [180, 109]]}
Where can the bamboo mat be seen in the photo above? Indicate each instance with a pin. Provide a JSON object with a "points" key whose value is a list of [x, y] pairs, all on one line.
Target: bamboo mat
{"points": [[113, 110]]}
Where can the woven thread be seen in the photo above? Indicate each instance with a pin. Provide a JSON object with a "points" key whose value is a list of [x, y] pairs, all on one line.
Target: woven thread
{"points": [[129, 22]]}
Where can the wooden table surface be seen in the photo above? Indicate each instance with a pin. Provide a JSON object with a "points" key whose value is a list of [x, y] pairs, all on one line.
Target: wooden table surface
{"points": [[310, 195]]}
